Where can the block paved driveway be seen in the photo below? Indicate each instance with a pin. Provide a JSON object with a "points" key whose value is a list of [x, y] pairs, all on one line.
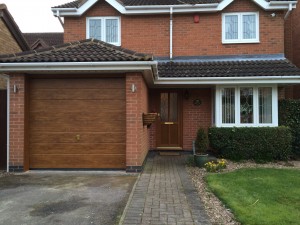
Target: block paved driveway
{"points": [[64, 198], [164, 194]]}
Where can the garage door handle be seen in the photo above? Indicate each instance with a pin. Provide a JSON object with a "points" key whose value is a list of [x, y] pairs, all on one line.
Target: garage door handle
{"points": [[77, 137]]}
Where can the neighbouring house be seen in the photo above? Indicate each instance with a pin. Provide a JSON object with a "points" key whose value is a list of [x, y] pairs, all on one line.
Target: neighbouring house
{"points": [[43, 40], [198, 63], [11, 40], [292, 47]]}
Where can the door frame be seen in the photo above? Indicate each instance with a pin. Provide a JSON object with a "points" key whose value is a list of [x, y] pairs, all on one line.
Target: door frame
{"points": [[180, 118]]}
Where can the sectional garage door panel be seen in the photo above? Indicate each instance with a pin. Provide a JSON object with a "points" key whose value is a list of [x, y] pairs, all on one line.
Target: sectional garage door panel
{"points": [[77, 123]]}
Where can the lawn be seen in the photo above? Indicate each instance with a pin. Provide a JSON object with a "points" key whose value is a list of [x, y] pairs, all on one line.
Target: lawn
{"points": [[261, 196]]}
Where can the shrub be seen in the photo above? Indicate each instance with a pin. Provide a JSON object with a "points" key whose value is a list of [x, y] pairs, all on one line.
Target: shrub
{"points": [[289, 115], [201, 142], [257, 143]]}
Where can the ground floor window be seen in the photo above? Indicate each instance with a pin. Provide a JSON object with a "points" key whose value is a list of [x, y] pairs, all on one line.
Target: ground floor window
{"points": [[246, 106]]}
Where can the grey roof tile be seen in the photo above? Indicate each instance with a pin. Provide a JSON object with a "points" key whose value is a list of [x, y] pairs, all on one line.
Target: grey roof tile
{"points": [[245, 68], [89, 50]]}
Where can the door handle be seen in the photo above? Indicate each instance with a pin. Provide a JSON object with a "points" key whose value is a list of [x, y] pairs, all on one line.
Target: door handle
{"points": [[77, 137], [169, 123]]}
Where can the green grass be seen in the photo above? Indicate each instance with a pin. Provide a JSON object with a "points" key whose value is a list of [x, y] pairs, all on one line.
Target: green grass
{"points": [[260, 196]]}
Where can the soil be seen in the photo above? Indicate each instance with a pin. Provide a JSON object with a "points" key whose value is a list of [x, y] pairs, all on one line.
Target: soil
{"points": [[217, 212]]}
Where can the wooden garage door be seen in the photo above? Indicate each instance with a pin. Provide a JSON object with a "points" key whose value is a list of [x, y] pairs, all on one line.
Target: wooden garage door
{"points": [[77, 123]]}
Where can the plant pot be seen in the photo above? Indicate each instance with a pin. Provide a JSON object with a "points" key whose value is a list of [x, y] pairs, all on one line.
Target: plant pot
{"points": [[201, 159]]}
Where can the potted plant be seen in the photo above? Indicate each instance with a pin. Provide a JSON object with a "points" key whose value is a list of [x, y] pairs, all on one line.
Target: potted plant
{"points": [[200, 148]]}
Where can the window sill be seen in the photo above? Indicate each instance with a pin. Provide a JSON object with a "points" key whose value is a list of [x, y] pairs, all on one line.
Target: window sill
{"points": [[240, 42]]}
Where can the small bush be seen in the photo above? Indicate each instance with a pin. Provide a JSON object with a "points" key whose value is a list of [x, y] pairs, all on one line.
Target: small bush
{"points": [[258, 143], [201, 142], [289, 115], [215, 166]]}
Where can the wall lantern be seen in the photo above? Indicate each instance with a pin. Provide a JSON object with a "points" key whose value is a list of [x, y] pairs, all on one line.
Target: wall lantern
{"points": [[196, 18], [133, 88], [186, 94], [15, 88]]}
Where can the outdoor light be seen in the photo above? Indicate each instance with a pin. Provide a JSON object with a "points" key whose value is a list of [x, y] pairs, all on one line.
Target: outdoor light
{"points": [[133, 88], [15, 88]]}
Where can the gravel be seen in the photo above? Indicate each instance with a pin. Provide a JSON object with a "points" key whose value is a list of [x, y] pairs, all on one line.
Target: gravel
{"points": [[215, 209]]}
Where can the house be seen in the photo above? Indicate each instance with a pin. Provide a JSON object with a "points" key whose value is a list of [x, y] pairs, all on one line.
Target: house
{"points": [[11, 40], [292, 47], [43, 40], [198, 63]]}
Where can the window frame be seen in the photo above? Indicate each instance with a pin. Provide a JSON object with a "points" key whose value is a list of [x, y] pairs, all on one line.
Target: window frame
{"points": [[103, 28], [218, 106], [240, 28]]}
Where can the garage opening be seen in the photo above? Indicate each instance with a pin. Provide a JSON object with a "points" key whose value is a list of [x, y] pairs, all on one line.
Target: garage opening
{"points": [[3, 128], [77, 123]]}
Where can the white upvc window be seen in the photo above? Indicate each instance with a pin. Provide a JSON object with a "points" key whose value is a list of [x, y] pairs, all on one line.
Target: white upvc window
{"points": [[240, 27], [246, 106], [106, 29]]}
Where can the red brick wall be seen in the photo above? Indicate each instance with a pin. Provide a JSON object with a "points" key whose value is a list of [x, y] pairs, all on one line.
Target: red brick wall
{"points": [[150, 33], [137, 135], [16, 142], [195, 117]]}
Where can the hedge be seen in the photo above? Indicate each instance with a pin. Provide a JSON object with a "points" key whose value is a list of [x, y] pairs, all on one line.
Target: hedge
{"points": [[258, 143], [289, 115]]}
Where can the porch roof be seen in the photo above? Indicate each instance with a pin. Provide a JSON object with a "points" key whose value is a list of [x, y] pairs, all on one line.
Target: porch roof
{"points": [[227, 66]]}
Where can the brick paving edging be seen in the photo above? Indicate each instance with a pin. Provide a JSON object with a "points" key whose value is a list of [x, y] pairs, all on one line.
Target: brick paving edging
{"points": [[164, 194]]}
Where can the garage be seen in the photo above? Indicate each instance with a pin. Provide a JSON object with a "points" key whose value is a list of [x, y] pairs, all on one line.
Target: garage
{"points": [[77, 123]]}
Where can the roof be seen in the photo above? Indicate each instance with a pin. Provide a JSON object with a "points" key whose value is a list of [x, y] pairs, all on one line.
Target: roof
{"points": [[37, 40], [89, 50], [78, 3], [13, 27], [231, 67]]}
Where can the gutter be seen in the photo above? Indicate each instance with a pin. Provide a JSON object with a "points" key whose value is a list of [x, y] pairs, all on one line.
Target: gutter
{"points": [[8, 119], [79, 66], [228, 80]]}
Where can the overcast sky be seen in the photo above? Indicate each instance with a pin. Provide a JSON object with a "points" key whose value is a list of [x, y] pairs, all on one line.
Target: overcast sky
{"points": [[35, 15]]}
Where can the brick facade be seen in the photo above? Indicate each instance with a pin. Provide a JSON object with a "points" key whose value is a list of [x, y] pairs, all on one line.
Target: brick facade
{"points": [[150, 34], [17, 123], [137, 135]]}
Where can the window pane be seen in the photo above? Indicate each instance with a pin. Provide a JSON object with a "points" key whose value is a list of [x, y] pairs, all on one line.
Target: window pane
{"points": [[265, 105], [249, 27], [231, 27], [228, 105], [246, 105], [173, 107], [95, 28], [164, 107], [112, 30]]}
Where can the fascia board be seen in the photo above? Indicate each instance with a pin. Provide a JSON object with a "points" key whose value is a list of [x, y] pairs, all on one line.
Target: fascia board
{"points": [[275, 5], [83, 66], [229, 80], [163, 9]]}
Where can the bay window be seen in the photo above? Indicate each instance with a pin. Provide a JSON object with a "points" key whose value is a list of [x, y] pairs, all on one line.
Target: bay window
{"points": [[246, 106], [106, 29]]}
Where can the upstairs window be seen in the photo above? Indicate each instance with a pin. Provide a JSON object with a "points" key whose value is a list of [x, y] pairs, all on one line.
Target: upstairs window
{"points": [[105, 29], [240, 27]]}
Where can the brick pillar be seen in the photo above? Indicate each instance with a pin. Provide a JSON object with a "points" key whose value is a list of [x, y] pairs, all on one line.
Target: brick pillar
{"points": [[17, 118], [137, 135]]}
